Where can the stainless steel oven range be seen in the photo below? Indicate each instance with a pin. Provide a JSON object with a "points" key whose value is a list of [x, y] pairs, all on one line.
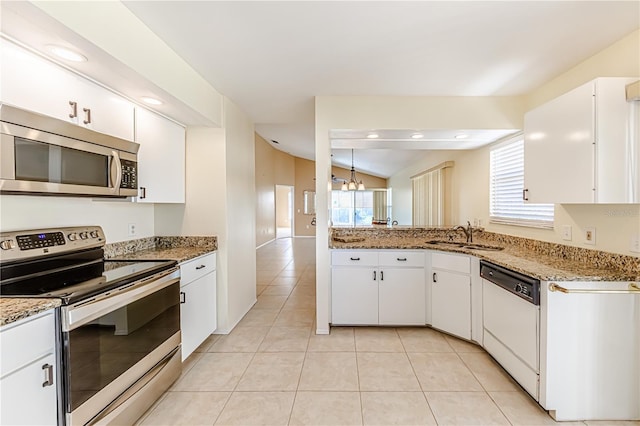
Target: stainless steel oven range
{"points": [[119, 323]]}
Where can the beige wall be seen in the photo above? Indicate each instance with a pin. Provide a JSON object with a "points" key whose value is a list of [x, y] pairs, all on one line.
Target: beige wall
{"points": [[283, 212], [305, 180], [273, 167]]}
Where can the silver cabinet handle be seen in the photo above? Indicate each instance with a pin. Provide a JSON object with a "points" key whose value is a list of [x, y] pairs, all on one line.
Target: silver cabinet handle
{"points": [[201, 266], [524, 195], [48, 375], [374, 275], [74, 109], [435, 277], [183, 297], [87, 115]]}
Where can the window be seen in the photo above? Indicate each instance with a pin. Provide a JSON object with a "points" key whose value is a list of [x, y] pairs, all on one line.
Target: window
{"points": [[507, 185], [358, 208]]}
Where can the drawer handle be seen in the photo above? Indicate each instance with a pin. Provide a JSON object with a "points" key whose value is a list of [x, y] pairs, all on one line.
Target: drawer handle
{"points": [[201, 266], [87, 116], [374, 275], [354, 258], [381, 275], [48, 375], [435, 277], [183, 297], [402, 259]]}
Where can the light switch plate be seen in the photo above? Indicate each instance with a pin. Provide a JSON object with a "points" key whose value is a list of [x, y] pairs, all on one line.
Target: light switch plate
{"points": [[566, 232], [590, 235]]}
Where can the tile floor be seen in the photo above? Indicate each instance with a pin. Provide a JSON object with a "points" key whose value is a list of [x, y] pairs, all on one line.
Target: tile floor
{"points": [[273, 370]]}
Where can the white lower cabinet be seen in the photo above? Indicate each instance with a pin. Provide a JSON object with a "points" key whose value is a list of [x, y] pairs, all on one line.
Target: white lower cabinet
{"points": [[451, 294], [28, 372], [377, 288], [197, 301]]}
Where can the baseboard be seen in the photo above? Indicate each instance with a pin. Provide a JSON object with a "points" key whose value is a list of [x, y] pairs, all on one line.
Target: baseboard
{"points": [[322, 330], [230, 329]]}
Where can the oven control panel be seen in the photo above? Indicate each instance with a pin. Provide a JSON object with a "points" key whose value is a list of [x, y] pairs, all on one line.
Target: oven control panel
{"points": [[21, 245]]}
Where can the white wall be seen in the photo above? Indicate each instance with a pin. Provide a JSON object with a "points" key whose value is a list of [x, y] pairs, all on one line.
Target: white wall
{"points": [[19, 212], [220, 201]]}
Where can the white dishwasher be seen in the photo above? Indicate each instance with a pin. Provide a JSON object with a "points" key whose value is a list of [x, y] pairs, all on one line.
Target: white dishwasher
{"points": [[511, 320]]}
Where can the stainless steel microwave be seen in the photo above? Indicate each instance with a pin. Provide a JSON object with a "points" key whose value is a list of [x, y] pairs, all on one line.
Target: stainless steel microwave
{"points": [[44, 155]]}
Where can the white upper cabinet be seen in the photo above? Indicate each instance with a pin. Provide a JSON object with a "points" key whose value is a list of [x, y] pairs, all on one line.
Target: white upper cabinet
{"points": [[161, 159], [576, 146], [36, 84]]}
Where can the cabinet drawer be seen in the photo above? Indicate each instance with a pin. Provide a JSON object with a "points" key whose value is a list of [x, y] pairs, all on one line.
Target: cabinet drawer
{"points": [[451, 262], [196, 268], [25, 341], [354, 258], [401, 258]]}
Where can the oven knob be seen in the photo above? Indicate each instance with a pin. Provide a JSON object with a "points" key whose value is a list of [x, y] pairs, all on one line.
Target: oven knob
{"points": [[73, 236], [7, 245], [84, 235], [94, 234]]}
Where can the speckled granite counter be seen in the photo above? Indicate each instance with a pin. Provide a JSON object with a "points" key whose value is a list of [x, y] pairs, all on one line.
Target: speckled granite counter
{"points": [[154, 248], [14, 309], [545, 261]]}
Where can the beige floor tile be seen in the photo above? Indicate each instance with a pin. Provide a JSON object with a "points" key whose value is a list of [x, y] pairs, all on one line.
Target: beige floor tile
{"points": [[270, 302], [295, 318], [187, 408], [215, 372], [423, 340], [273, 372], [460, 345], [488, 372], [520, 409], [465, 408], [241, 339], [300, 302], [326, 409], [340, 339], [261, 288], [386, 372], [286, 339], [259, 318], [204, 346], [257, 408], [378, 340], [329, 371], [285, 278], [396, 408], [278, 290], [443, 372]]}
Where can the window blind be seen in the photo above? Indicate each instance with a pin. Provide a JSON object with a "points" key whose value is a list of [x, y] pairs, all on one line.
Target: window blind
{"points": [[507, 184]]}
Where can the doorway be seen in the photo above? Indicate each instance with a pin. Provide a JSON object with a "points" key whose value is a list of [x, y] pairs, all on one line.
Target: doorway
{"points": [[284, 211]]}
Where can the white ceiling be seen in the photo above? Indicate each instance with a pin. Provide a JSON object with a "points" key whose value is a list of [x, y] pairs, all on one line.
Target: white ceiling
{"points": [[272, 58]]}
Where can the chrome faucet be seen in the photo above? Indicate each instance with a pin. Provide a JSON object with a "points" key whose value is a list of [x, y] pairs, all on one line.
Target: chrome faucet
{"points": [[468, 231]]}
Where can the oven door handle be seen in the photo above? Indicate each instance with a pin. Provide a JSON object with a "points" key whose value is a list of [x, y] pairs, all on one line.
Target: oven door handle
{"points": [[81, 313]]}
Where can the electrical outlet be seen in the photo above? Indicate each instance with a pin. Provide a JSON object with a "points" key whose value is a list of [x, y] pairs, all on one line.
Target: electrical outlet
{"points": [[131, 229], [566, 232], [590, 235], [635, 243]]}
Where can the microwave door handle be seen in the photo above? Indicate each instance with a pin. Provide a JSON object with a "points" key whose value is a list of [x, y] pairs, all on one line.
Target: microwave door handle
{"points": [[116, 168]]}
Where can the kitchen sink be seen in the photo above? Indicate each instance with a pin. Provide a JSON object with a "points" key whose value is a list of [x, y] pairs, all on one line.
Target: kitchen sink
{"points": [[470, 246]]}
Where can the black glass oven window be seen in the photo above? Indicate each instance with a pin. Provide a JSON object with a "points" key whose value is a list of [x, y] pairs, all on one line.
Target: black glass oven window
{"points": [[37, 161], [99, 352]]}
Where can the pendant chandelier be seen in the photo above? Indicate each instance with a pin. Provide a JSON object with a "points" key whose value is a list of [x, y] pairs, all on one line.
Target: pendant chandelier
{"points": [[353, 183]]}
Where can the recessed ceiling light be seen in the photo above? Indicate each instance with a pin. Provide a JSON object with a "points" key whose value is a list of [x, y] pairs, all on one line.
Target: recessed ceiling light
{"points": [[151, 101], [417, 136], [462, 136], [373, 135], [66, 53]]}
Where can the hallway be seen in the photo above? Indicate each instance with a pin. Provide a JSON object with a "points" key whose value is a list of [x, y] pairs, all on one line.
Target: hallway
{"points": [[273, 370]]}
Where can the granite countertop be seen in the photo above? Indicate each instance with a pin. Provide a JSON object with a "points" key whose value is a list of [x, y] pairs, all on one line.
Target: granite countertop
{"points": [[181, 254], [546, 267], [13, 309]]}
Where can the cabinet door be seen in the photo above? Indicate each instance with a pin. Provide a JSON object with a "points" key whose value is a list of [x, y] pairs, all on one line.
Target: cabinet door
{"points": [[197, 312], [559, 150], [354, 296], [451, 303], [24, 398], [108, 113], [33, 83], [401, 296], [161, 159]]}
